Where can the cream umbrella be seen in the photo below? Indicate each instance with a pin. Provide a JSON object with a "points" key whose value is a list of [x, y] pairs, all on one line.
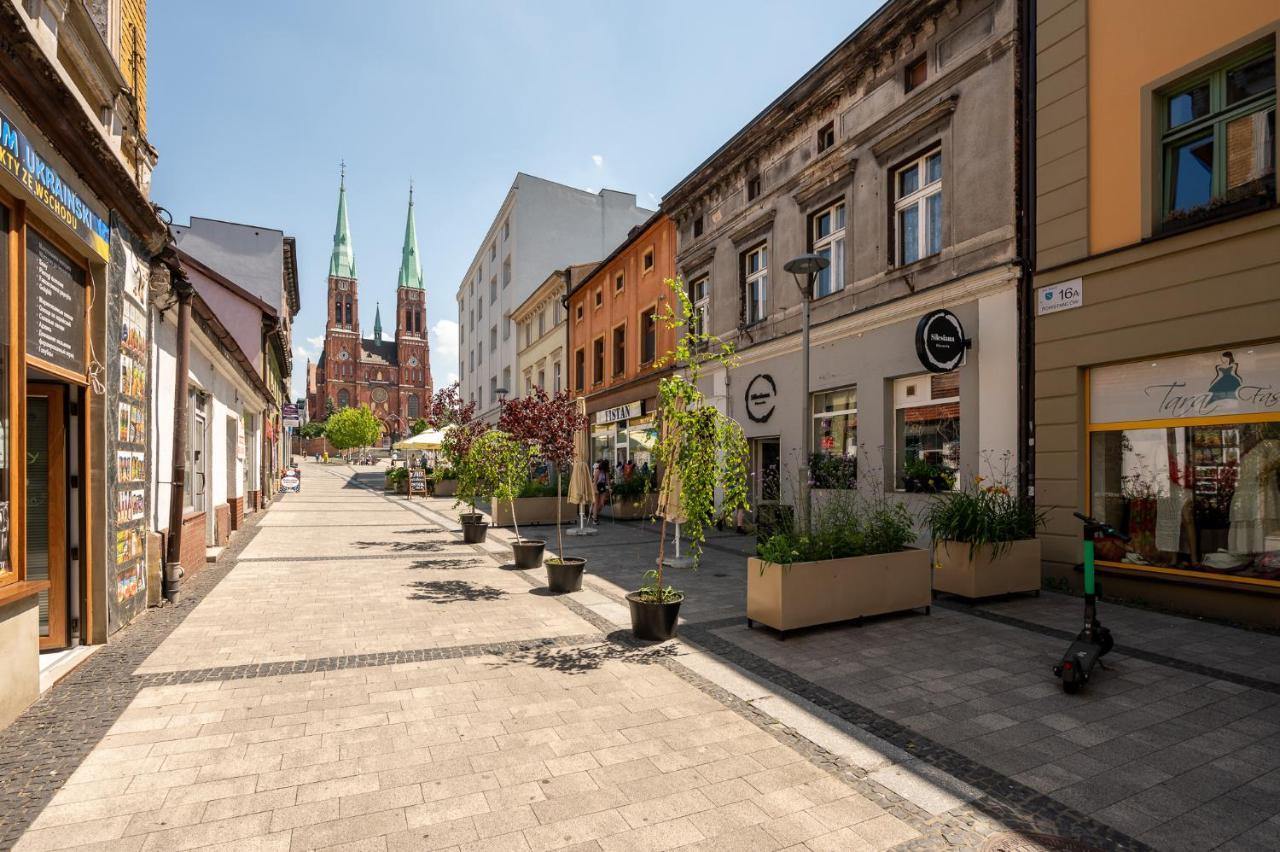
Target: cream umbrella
{"points": [[428, 440], [581, 489]]}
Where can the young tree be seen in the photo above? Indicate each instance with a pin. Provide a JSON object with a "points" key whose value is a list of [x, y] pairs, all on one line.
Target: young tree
{"points": [[498, 465], [419, 426], [447, 408], [546, 424], [352, 427]]}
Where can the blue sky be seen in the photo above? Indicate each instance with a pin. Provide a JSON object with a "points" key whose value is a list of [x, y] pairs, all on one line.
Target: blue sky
{"points": [[253, 105]]}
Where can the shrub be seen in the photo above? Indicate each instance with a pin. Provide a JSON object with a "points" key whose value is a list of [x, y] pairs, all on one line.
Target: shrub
{"points": [[827, 471], [851, 525], [983, 515]]}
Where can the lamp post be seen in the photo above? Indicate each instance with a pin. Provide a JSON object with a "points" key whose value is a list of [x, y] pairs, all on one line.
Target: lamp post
{"points": [[805, 269]]}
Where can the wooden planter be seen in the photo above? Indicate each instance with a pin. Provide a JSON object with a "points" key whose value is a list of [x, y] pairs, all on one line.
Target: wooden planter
{"points": [[809, 593], [531, 510], [633, 508], [446, 488], [1016, 570]]}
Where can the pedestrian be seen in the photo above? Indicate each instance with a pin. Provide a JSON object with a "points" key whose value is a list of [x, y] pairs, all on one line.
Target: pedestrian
{"points": [[602, 489]]}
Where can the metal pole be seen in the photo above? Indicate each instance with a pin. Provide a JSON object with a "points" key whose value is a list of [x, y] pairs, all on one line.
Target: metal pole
{"points": [[173, 562], [806, 425]]}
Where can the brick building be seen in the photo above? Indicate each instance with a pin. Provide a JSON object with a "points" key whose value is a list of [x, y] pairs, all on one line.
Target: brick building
{"points": [[392, 377]]}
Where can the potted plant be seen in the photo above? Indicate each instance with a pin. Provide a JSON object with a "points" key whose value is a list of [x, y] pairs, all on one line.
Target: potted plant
{"points": [[475, 479], [632, 497], [397, 479], [502, 463], [922, 476], [984, 541], [448, 413], [699, 450], [856, 560], [547, 423]]}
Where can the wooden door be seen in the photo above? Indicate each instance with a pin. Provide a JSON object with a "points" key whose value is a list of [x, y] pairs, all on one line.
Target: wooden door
{"points": [[47, 507]]}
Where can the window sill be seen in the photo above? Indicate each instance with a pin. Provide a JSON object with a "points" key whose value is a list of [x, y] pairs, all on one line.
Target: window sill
{"points": [[1215, 215], [925, 262]]}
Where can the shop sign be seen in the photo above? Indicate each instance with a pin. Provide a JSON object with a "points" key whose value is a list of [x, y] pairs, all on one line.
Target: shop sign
{"points": [[1242, 380], [762, 398], [1060, 297], [55, 306], [20, 158], [289, 415], [940, 341], [620, 412]]}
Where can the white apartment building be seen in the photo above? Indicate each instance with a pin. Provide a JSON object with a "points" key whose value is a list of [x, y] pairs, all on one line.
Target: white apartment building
{"points": [[541, 226]]}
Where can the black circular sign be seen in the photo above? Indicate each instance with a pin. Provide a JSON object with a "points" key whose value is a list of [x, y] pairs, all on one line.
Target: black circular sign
{"points": [[940, 341], [762, 396]]}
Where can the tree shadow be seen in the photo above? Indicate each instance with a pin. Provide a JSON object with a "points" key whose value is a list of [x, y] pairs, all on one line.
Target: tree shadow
{"points": [[404, 546], [618, 646], [443, 564], [453, 591], [423, 531]]}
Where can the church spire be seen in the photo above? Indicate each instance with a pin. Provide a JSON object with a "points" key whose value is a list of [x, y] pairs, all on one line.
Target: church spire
{"points": [[342, 263], [410, 262], [377, 323]]}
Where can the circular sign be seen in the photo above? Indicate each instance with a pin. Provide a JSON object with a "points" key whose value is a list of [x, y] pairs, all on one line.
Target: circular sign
{"points": [[940, 341], [289, 481], [762, 397]]}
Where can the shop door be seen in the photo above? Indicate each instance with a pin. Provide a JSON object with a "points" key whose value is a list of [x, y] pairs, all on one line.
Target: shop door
{"points": [[766, 460], [47, 507]]}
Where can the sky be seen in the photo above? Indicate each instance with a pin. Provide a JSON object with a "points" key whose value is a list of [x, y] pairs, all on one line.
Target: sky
{"points": [[252, 105]]}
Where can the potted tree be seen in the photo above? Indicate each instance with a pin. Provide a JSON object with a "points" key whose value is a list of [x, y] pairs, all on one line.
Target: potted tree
{"points": [[547, 424], [699, 450], [448, 413], [984, 541], [502, 465]]}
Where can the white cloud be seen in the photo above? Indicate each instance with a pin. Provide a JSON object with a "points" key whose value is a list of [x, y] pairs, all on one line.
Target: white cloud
{"points": [[450, 378], [444, 350], [598, 159], [317, 343]]}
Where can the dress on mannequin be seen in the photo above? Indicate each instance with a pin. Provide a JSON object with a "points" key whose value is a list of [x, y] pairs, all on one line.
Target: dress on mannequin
{"points": [[1255, 505]]}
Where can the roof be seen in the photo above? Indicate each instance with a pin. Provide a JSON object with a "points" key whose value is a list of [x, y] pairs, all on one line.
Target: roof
{"points": [[378, 352], [251, 256], [632, 238], [377, 323], [342, 261], [410, 260]]}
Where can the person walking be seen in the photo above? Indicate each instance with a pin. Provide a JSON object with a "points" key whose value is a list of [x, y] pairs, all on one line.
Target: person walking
{"points": [[601, 477]]}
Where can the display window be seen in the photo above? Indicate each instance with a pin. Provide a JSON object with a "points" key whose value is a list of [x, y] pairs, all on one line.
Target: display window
{"points": [[835, 439], [8, 573], [1197, 487], [927, 431]]}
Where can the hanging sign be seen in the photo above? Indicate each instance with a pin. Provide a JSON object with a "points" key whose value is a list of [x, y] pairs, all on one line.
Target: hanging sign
{"points": [[940, 341], [55, 306], [289, 415], [762, 397], [620, 412], [20, 158]]}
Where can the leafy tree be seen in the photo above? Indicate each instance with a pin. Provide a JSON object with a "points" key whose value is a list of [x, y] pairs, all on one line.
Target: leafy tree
{"points": [[419, 426], [546, 424], [496, 466], [352, 427], [311, 429], [447, 408]]}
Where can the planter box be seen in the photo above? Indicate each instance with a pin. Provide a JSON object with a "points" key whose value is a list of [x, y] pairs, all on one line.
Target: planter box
{"points": [[446, 488], [810, 593], [532, 511], [633, 508], [1017, 569]]}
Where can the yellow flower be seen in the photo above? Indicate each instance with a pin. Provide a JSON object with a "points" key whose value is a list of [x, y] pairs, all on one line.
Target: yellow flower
{"points": [[978, 480]]}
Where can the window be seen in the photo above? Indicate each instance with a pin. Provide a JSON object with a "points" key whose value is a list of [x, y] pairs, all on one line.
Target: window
{"points": [[915, 74], [506, 380], [619, 350], [597, 361], [700, 296], [344, 398], [555, 377], [493, 390], [826, 136], [493, 250], [579, 369], [619, 281], [649, 334], [414, 407], [918, 208], [927, 431], [493, 290], [646, 262], [506, 229], [542, 322], [472, 360], [755, 269], [834, 463], [578, 315], [1218, 137], [480, 309], [542, 379], [506, 272], [599, 296], [493, 338], [697, 226], [827, 238], [506, 328], [753, 187], [480, 354], [471, 322], [528, 384]]}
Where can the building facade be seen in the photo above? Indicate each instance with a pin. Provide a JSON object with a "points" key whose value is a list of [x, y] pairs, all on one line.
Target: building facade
{"points": [[1157, 355], [391, 377], [540, 333], [541, 225], [80, 252], [894, 158], [616, 338]]}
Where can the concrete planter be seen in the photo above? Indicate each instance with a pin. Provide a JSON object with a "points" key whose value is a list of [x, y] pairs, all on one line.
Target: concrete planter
{"points": [[1017, 569], [446, 488], [532, 511], [810, 593], [633, 508]]}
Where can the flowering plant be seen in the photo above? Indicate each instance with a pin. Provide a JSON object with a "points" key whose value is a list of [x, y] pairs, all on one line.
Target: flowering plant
{"points": [[983, 515]]}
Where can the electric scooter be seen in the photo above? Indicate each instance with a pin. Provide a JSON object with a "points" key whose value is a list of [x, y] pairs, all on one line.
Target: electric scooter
{"points": [[1094, 641]]}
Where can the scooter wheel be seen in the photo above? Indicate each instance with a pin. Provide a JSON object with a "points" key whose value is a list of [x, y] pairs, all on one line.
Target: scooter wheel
{"points": [[1070, 687], [1107, 642]]}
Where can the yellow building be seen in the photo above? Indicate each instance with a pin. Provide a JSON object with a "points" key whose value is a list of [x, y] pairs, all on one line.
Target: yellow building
{"points": [[1157, 328]]}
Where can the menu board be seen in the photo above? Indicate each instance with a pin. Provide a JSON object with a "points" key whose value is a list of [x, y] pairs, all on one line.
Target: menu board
{"points": [[55, 306], [417, 480], [129, 519]]}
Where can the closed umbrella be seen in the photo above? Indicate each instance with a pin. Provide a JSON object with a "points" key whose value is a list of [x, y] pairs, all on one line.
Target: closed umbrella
{"points": [[581, 488]]}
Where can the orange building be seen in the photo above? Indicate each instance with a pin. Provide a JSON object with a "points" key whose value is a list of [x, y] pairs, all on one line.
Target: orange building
{"points": [[615, 338]]}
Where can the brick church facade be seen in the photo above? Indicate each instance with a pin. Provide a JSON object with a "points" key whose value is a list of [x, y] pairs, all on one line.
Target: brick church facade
{"points": [[392, 377]]}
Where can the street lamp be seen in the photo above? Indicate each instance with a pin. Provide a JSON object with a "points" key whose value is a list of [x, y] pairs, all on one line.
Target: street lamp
{"points": [[805, 269]]}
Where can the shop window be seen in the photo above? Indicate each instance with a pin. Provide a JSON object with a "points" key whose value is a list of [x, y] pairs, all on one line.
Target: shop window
{"points": [[579, 369], [1217, 139], [597, 361], [826, 235], [927, 432], [700, 299], [755, 284], [620, 350], [649, 335], [834, 463], [915, 74], [918, 208], [826, 136]]}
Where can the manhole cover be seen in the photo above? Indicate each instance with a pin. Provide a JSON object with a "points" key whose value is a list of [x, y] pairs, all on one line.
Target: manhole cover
{"points": [[1017, 841]]}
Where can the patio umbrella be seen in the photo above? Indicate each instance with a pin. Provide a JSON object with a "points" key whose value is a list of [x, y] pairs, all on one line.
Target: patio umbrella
{"points": [[428, 440], [581, 489]]}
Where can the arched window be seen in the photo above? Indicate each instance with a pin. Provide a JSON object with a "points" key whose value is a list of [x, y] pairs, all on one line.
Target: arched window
{"points": [[344, 398], [413, 407]]}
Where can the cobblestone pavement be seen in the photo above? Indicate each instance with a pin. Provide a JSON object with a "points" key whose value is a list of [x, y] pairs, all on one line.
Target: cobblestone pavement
{"points": [[351, 676]]}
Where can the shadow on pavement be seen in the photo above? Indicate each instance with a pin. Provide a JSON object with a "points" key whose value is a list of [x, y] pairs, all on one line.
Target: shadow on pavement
{"points": [[453, 591], [617, 647]]}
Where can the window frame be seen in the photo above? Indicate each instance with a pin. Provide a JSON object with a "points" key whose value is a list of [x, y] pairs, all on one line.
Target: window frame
{"points": [[580, 368], [918, 200], [753, 187], [836, 236], [647, 261], [701, 304], [619, 364], [899, 461], [648, 335], [751, 280], [826, 137], [619, 282], [597, 361], [921, 61]]}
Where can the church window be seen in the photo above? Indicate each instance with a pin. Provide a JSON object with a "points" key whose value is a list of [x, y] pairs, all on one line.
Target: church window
{"points": [[413, 406], [344, 398]]}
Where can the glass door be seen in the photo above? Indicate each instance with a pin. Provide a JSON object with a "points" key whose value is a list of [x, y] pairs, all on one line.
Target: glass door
{"points": [[47, 507]]}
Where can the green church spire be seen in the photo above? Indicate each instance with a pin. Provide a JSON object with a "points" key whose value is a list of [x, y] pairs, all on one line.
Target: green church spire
{"points": [[377, 323], [342, 263], [410, 262]]}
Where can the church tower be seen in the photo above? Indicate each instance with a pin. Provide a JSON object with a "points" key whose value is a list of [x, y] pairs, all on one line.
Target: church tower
{"points": [[411, 326], [342, 331]]}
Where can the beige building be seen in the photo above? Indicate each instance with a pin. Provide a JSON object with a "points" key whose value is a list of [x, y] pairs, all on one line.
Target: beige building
{"points": [[540, 333]]}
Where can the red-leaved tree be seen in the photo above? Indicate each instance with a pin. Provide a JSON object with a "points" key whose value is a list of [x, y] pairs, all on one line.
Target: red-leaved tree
{"points": [[447, 408], [547, 423]]}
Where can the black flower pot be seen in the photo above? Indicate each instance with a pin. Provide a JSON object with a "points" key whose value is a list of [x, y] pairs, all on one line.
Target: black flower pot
{"points": [[653, 621], [474, 532], [565, 574], [470, 518], [528, 553]]}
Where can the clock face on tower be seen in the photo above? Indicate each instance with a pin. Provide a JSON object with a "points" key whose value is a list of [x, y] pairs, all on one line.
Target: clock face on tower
{"points": [[413, 360], [344, 355], [342, 285]]}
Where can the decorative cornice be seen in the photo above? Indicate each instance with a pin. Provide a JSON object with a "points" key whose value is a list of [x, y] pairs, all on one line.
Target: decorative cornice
{"points": [[939, 110], [695, 259], [755, 228]]}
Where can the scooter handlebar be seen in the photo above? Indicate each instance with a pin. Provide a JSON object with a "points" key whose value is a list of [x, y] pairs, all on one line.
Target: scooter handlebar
{"points": [[1107, 530]]}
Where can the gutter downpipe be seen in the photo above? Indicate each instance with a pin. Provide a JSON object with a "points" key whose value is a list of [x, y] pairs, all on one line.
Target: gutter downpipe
{"points": [[173, 559], [1025, 135]]}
